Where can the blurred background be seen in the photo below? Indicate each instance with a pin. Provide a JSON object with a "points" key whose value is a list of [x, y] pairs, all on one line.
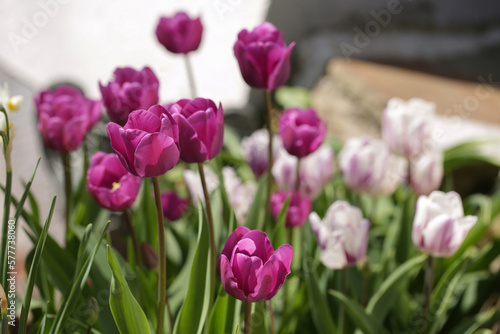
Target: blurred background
{"points": [[351, 56]]}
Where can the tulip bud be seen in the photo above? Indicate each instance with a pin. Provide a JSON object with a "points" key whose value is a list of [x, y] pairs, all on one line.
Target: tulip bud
{"points": [[149, 256], [263, 57], [91, 311], [406, 128], [173, 205], [255, 150], [439, 226], [179, 33], [250, 269], [128, 91], [298, 209], [301, 131], [148, 145], [427, 172], [342, 235], [201, 128], [65, 116]]}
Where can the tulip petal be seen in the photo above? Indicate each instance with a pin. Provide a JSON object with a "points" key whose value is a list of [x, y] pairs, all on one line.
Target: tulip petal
{"points": [[263, 247], [334, 256], [228, 280], [192, 148], [283, 255], [245, 269], [155, 155], [281, 72], [145, 120], [122, 146], [233, 239]]}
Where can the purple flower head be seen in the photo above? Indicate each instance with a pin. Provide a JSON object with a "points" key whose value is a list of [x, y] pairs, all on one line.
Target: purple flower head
{"points": [[179, 33]]}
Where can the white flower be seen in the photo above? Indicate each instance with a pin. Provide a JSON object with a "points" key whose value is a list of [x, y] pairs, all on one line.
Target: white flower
{"points": [[193, 183], [240, 194], [9, 103]]}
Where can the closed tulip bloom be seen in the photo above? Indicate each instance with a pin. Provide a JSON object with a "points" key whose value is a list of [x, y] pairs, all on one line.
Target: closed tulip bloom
{"points": [[342, 235], [263, 57], [179, 33], [427, 172], [128, 91], [368, 166], [173, 205], [240, 194], [111, 185], [255, 150], [250, 269], [298, 209], [193, 184], [315, 171], [149, 256], [406, 126], [201, 129], [65, 116], [301, 131], [439, 226], [148, 144]]}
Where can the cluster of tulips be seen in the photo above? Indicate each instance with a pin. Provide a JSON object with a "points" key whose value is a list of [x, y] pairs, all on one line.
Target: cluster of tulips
{"points": [[296, 164]]}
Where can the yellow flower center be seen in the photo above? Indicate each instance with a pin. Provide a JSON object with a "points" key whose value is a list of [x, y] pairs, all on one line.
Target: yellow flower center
{"points": [[116, 185]]}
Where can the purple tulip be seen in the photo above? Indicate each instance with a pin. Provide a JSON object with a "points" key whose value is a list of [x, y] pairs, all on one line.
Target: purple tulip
{"points": [[316, 170], [427, 172], [240, 195], [406, 128], [111, 185], [342, 235], [201, 129], [368, 166], [179, 33], [255, 150], [263, 57], [173, 205], [298, 209], [250, 269], [148, 144], [130, 90], [65, 116], [149, 256], [439, 226], [301, 131]]}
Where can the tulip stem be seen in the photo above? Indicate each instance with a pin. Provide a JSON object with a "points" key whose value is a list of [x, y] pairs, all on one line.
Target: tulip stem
{"points": [[343, 289], [248, 317], [267, 97], [162, 272], [429, 280], [66, 161], [297, 175], [5, 227], [213, 247], [271, 316], [131, 229], [189, 69]]}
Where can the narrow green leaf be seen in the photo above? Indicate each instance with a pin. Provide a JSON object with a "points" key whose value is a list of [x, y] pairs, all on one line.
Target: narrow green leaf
{"points": [[225, 314], [34, 270], [278, 236], [195, 308], [366, 322], [256, 214], [26, 193], [469, 153], [481, 320], [128, 314]]}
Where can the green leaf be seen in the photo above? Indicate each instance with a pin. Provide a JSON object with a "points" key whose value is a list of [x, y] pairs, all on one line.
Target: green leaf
{"points": [[481, 320], [76, 289], [293, 96], [232, 142], [128, 314], [34, 270], [195, 308], [26, 193], [278, 236], [366, 322], [256, 214], [469, 153], [382, 300], [225, 314]]}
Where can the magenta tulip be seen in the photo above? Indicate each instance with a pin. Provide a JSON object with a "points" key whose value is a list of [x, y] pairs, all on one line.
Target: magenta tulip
{"points": [[301, 131], [65, 116], [179, 33], [298, 209], [201, 129], [250, 269], [111, 185], [148, 144], [128, 91], [439, 226], [173, 205], [263, 57], [342, 235]]}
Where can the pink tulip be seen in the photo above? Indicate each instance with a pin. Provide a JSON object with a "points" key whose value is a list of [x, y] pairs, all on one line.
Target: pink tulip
{"points": [[301, 131], [439, 226], [298, 209], [342, 235], [179, 33], [240, 194], [65, 116], [427, 172], [111, 185], [255, 150], [250, 269], [263, 57], [148, 144], [406, 126], [128, 91], [201, 128], [173, 205]]}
